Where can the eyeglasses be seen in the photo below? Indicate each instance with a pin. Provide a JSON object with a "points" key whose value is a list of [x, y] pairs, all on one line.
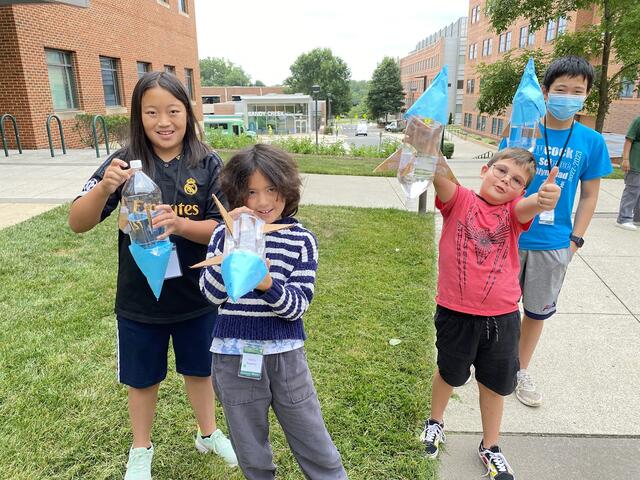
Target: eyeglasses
{"points": [[500, 171]]}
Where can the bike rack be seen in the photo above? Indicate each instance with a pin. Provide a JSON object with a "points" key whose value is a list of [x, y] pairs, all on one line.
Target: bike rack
{"points": [[16, 132], [105, 134], [487, 154], [64, 149]]}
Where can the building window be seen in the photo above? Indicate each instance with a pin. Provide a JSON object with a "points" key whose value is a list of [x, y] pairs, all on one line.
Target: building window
{"points": [[628, 86], [61, 80], [143, 67], [551, 31], [475, 14], [460, 84], [478, 122], [188, 81], [236, 98], [532, 37], [473, 51], [500, 126], [170, 69], [508, 41], [494, 125], [562, 25], [483, 123], [182, 5], [501, 43], [470, 85], [487, 47], [524, 33], [210, 99], [110, 84]]}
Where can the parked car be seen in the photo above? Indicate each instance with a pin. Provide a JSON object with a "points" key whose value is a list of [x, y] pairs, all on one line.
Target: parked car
{"points": [[395, 126], [361, 129]]}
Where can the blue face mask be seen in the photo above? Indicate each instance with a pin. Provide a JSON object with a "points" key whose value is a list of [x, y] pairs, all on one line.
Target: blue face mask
{"points": [[564, 106]]}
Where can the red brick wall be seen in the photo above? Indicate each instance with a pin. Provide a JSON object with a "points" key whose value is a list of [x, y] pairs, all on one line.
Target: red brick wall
{"points": [[418, 73], [144, 30]]}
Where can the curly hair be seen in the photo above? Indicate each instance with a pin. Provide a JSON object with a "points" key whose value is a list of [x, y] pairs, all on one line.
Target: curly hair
{"points": [[272, 162]]}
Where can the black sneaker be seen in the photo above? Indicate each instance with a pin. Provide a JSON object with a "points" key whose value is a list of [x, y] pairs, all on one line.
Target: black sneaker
{"points": [[497, 466], [432, 436]]}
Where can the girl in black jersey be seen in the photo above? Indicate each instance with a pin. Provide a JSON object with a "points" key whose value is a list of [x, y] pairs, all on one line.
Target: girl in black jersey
{"points": [[163, 135]]}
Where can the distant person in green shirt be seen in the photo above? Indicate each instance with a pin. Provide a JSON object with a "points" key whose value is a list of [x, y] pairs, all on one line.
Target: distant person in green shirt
{"points": [[629, 214]]}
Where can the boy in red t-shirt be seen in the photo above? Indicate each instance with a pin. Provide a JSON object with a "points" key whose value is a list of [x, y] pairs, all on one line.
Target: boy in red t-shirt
{"points": [[477, 317]]}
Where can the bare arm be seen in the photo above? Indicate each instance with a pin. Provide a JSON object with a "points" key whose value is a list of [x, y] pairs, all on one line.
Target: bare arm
{"points": [[626, 150], [85, 211], [445, 188], [586, 207]]}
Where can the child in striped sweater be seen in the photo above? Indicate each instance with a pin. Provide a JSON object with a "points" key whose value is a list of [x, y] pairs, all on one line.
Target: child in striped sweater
{"points": [[258, 355]]}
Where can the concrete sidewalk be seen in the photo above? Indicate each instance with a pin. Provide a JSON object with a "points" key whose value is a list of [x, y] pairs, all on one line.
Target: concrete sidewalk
{"points": [[587, 364]]}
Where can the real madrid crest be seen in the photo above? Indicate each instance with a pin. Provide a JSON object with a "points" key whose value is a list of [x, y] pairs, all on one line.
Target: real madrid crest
{"points": [[190, 186]]}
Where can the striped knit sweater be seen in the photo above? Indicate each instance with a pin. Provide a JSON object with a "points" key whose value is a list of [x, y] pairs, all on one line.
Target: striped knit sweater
{"points": [[277, 313]]}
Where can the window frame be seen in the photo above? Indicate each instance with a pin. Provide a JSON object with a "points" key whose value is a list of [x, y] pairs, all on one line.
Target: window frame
{"points": [[188, 83], [115, 78], [69, 80]]}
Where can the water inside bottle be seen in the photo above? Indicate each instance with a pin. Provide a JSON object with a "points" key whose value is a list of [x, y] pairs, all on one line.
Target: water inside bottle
{"points": [[417, 174]]}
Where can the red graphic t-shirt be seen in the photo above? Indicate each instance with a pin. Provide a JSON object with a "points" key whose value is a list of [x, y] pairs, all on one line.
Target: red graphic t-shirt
{"points": [[478, 260]]}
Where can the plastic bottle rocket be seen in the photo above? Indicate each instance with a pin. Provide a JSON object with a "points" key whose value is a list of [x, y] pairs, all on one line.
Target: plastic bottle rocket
{"points": [[527, 110], [141, 196]]}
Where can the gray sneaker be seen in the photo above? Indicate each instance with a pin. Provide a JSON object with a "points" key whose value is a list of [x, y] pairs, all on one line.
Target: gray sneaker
{"points": [[526, 390]]}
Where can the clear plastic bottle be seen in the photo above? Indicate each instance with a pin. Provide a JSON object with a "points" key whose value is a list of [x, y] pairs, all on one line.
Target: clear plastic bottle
{"points": [[523, 136], [141, 196]]}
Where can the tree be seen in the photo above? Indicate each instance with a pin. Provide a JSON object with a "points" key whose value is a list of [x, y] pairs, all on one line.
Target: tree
{"points": [[259, 83], [500, 79], [385, 94], [321, 67], [218, 71], [614, 38], [359, 89]]}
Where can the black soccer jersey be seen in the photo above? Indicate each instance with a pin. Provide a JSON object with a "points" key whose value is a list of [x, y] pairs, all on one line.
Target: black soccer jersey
{"points": [[188, 191]]}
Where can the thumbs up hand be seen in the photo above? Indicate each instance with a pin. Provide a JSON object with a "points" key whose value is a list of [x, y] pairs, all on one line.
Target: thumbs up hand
{"points": [[549, 192]]}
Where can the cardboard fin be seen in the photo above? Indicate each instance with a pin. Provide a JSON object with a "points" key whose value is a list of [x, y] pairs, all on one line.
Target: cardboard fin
{"points": [[391, 163], [228, 221], [274, 227], [208, 262]]}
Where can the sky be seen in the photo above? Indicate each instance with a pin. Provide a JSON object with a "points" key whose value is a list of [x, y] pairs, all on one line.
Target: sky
{"points": [[266, 37]]}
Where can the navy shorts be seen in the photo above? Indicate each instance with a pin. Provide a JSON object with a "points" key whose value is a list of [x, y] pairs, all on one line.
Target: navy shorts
{"points": [[143, 347], [488, 343]]}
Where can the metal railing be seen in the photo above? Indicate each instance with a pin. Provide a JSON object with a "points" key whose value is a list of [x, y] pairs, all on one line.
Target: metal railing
{"points": [[16, 132], [64, 149], [105, 134]]}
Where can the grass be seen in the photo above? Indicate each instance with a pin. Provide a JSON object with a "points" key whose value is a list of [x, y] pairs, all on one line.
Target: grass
{"points": [[64, 416], [617, 174], [332, 165]]}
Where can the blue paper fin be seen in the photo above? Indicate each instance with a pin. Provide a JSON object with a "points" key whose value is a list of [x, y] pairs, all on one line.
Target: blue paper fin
{"points": [[433, 102]]}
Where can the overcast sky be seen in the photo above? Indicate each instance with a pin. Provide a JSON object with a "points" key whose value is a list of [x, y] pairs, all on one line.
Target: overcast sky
{"points": [[266, 37]]}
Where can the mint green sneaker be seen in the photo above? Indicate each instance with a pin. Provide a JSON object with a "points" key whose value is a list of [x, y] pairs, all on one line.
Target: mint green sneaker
{"points": [[139, 464], [218, 444]]}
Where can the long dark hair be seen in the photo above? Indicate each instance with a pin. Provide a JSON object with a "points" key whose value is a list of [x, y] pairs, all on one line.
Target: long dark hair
{"points": [[139, 146], [274, 163]]}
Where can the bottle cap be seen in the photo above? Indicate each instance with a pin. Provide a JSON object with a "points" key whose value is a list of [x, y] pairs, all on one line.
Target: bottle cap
{"points": [[135, 164]]}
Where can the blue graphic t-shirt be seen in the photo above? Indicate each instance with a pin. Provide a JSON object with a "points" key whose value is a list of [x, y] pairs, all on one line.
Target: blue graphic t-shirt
{"points": [[586, 158]]}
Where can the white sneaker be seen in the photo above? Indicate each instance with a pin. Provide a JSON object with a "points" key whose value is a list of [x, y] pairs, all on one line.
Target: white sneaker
{"points": [[139, 464], [627, 226], [526, 390]]}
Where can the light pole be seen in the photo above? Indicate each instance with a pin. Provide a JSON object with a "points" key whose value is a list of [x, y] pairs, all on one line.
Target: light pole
{"points": [[315, 90], [329, 97]]}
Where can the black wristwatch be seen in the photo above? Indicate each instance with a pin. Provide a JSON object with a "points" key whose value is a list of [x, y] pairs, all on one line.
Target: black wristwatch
{"points": [[579, 241]]}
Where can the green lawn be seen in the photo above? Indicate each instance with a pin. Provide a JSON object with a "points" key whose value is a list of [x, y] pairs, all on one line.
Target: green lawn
{"points": [[64, 416], [328, 165], [617, 174]]}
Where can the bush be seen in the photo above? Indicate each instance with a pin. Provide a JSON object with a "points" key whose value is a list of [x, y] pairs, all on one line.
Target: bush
{"points": [[117, 128], [447, 149], [216, 139], [371, 151], [306, 145]]}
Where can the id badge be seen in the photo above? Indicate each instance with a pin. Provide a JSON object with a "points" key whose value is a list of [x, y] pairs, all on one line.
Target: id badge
{"points": [[547, 217], [251, 362], [173, 267]]}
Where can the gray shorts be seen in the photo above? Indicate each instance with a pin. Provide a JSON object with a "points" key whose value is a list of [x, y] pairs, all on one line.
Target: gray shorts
{"points": [[541, 276]]}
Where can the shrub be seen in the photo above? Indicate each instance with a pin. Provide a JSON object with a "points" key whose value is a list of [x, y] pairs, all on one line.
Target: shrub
{"points": [[117, 128], [216, 139], [447, 149]]}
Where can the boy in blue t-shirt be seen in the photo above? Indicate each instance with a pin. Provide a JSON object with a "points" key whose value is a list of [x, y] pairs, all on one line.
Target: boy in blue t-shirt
{"points": [[548, 246]]}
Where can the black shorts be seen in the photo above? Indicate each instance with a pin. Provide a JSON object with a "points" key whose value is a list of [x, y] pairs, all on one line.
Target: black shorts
{"points": [[489, 343]]}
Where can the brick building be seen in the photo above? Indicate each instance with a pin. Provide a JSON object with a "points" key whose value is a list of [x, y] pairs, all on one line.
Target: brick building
{"points": [[66, 60], [486, 46], [444, 47], [219, 100]]}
